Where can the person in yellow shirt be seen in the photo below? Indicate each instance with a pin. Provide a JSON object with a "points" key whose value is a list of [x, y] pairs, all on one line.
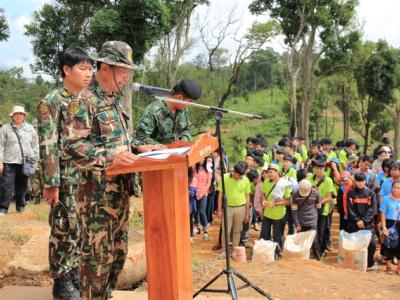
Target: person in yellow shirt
{"points": [[237, 192], [277, 193]]}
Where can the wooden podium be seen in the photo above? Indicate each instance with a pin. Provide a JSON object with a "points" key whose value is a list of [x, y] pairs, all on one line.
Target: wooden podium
{"points": [[166, 217]]}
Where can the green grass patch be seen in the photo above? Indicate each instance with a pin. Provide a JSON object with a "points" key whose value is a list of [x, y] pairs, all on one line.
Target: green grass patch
{"points": [[136, 220], [41, 211], [15, 238]]}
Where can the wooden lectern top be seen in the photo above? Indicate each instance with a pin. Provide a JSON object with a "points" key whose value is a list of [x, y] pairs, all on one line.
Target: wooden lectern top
{"points": [[199, 149]]}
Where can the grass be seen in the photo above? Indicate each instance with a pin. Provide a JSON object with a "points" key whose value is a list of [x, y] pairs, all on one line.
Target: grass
{"points": [[275, 122], [15, 237], [41, 211], [136, 220]]}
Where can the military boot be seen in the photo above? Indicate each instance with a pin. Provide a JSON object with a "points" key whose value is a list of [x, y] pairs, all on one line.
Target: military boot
{"points": [[64, 289], [75, 278]]}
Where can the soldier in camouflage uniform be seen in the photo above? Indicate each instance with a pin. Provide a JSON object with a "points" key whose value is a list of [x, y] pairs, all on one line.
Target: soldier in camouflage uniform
{"points": [[105, 201], [165, 122], [63, 127]]}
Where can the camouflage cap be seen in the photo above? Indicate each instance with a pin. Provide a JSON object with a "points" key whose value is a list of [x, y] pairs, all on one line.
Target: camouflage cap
{"points": [[115, 53]]}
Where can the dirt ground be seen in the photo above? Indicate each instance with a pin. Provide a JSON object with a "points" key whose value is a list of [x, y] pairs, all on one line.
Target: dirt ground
{"points": [[282, 279]]}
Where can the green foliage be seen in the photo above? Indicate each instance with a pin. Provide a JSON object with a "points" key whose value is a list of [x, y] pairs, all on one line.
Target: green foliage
{"points": [[4, 30], [14, 90], [56, 26]]}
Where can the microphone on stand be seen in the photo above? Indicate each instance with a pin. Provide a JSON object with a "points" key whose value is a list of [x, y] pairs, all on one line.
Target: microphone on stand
{"points": [[151, 90]]}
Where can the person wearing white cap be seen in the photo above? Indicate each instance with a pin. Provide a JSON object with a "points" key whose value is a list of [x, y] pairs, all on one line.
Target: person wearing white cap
{"points": [[18, 140], [305, 204]]}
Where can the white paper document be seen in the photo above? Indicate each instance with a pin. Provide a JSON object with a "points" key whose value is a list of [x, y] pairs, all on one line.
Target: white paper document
{"points": [[163, 154]]}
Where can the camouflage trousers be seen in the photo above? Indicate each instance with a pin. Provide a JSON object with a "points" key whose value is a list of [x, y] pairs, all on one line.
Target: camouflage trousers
{"points": [[64, 235], [103, 215]]}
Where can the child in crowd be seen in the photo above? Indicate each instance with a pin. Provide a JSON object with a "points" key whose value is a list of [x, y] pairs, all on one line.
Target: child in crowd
{"points": [[237, 190], [192, 200], [254, 179], [360, 204], [203, 178], [345, 187], [325, 187], [390, 209]]}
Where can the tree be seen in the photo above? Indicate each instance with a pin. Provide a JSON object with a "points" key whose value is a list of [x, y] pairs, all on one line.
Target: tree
{"points": [[90, 23], [54, 27], [309, 27], [4, 30], [173, 46], [376, 79]]}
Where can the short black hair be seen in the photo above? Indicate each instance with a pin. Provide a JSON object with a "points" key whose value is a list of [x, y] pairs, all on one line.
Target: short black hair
{"points": [[349, 143], [252, 174], [395, 165], [385, 140], [301, 174], [387, 163], [285, 142], [288, 157], [326, 141], [365, 158], [259, 160], [316, 144], [359, 177], [250, 153], [249, 139], [319, 164], [240, 168], [71, 57], [280, 151]]}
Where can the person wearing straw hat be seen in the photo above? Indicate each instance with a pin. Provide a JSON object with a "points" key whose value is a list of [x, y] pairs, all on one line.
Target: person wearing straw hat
{"points": [[104, 208], [18, 140]]}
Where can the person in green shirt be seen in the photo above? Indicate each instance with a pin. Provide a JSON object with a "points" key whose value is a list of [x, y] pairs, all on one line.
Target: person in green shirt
{"points": [[277, 192], [325, 187], [326, 149], [250, 159], [303, 147], [237, 192], [349, 148], [249, 146], [291, 175]]}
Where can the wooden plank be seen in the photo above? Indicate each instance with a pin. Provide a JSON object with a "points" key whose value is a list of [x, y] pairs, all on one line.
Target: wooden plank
{"points": [[168, 253]]}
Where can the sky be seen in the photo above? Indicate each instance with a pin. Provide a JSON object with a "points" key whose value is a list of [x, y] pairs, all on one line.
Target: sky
{"points": [[380, 21]]}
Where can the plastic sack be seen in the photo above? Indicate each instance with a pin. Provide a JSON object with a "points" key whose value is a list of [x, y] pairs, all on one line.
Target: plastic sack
{"points": [[298, 245], [353, 249], [264, 251]]}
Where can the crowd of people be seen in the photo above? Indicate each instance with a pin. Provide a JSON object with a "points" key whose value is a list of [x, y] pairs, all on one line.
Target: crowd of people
{"points": [[287, 188]]}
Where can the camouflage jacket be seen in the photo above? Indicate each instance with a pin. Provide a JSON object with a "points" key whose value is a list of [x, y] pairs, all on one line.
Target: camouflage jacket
{"points": [[159, 126], [64, 123], [109, 131]]}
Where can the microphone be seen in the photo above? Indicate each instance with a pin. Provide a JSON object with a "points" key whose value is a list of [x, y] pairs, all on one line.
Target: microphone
{"points": [[151, 90]]}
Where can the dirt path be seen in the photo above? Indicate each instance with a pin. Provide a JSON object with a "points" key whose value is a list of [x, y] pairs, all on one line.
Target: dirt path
{"points": [[282, 279]]}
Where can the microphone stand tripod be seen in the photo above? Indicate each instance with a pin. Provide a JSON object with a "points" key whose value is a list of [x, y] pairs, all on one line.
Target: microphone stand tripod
{"points": [[228, 271]]}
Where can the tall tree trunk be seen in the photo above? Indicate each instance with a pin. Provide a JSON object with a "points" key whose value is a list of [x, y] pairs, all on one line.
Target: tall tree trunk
{"points": [[346, 122], [366, 137], [293, 105]]}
